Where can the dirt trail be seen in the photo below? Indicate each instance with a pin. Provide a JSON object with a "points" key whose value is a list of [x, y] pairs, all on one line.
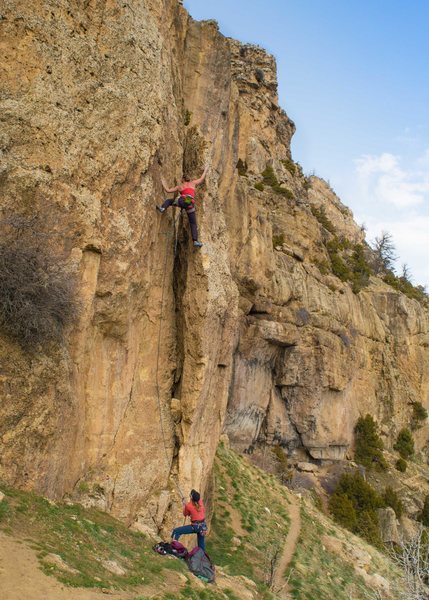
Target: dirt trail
{"points": [[280, 586], [22, 579]]}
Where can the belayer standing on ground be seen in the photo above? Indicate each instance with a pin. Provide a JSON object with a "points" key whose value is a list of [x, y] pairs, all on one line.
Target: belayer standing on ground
{"points": [[194, 509], [185, 201]]}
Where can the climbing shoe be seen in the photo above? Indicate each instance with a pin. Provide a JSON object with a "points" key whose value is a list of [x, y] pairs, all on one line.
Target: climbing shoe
{"points": [[197, 244], [160, 209]]}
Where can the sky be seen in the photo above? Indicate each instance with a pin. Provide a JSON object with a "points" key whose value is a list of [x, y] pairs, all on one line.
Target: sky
{"points": [[354, 77]]}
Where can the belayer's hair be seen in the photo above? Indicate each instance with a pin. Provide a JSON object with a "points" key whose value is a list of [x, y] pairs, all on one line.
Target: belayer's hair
{"points": [[195, 497]]}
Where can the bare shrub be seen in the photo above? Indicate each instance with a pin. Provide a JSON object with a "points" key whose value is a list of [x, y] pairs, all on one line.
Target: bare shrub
{"points": [[37, 293], [413, 559]]}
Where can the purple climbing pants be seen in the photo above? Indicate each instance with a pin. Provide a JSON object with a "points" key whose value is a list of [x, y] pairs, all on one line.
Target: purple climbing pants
{"points": [[190, 211]]}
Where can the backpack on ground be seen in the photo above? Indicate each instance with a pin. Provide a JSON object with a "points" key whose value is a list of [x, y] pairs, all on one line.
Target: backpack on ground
{"points": [[200, 564], [175, 549], [178, 549]]}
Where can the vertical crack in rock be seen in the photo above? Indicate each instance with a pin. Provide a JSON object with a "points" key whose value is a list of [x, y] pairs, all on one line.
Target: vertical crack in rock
{"points": [[115, 84]]}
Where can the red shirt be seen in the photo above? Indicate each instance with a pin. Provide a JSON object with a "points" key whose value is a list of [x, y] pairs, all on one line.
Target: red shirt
{"points": [[189, 510], [188, 192]]}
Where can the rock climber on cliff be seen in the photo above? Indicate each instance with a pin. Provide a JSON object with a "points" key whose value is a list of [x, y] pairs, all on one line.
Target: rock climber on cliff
{"points": [[194, 509], [185, 201]]}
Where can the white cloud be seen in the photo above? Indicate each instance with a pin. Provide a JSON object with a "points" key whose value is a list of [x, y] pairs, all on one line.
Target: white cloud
{"points": [[382, 180]]}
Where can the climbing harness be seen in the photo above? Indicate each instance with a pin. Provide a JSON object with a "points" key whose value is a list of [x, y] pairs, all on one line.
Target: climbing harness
{"points": [[157, 361]]}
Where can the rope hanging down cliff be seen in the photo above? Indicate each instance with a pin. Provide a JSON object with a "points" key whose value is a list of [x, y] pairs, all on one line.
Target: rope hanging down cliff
{"points": [[167, 461]]}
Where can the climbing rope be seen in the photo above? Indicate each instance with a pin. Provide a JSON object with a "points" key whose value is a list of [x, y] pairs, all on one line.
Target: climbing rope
{"points": [[167, 461]]}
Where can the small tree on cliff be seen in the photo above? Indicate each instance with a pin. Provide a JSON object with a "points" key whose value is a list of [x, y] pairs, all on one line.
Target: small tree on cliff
{"points": [[368, 444], [384, 252], [405, 443]]}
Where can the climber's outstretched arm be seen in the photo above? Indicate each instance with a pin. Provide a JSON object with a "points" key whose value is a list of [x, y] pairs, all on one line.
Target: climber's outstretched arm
{"points": [[169, 190], [203, 176]]}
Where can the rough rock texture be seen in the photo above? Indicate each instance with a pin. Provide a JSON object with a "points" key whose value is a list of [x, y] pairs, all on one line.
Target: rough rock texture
{"points": [[173, 346], [388, 525]]}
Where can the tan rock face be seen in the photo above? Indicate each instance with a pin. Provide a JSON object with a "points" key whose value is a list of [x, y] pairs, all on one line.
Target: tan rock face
{"points": [[174, 345]]}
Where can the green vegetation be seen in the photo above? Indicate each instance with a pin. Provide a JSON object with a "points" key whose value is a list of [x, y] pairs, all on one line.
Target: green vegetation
{"points": [[368, 444], [307, 183], [257, 501], [419, 415], [383, 259], [259, 186], [289, 165], [269, 178], [343, 511], [402, 284], [189, 594], [401, 465], [404, 443], [85, 539], [391, 498], [360, 269], [316, 573], [320, 214], [187, 117], [348, 261], [241, 168], [278, 240], [354, 504]]}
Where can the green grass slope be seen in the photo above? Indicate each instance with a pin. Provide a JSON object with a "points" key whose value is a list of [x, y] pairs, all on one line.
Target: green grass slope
{"points": [[247, 540]]}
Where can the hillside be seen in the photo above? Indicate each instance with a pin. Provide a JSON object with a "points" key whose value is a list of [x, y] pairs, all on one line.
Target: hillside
{"points": [[60, 551]]}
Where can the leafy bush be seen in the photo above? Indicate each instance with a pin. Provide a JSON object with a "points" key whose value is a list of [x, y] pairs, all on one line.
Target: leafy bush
{"points": [[342, 509], [402, 284], [37, 294], [360, 268], [348, 262], [289, 165], [368, 444], [392, 499], [338, 265], [354, 504], [369, 528], [401, 465], [260, 186], [424, 515], [269, 178], [283, 191], [419, 414], [320, 214], [404, 443]]}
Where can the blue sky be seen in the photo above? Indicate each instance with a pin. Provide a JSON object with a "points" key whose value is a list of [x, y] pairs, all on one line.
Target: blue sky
{"points": [[353, 76]]}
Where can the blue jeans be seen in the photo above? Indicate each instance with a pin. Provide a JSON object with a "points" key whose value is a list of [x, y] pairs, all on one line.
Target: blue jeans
{"points": [[178, 531]]}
